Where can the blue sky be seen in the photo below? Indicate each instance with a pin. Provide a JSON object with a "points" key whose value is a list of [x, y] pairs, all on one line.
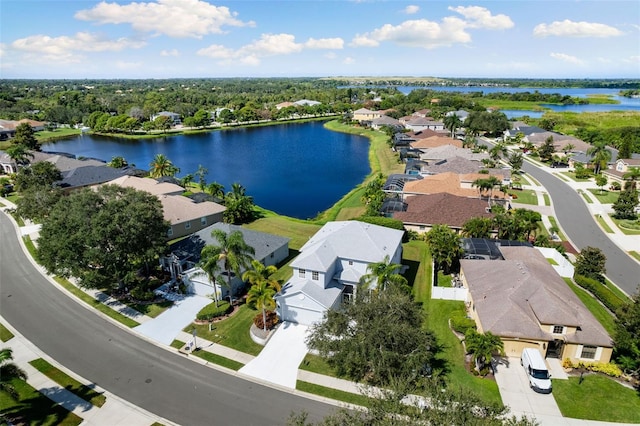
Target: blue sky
{"points": [[312, 38]]}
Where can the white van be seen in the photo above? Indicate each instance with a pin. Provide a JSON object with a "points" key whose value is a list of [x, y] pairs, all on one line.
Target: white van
{"points": [[536, 369]]}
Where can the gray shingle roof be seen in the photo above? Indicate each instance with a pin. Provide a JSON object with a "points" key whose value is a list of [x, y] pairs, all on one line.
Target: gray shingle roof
{"points": [[324, 296]]}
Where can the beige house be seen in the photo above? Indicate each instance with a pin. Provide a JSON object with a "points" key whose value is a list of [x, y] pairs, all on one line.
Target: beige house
{"points": [[524, 301], [366, 115], [622, 166]]}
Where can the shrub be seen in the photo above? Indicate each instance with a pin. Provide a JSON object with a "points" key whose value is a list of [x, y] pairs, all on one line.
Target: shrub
{"points": [[212, 311], [383, 221], [602, 293], [142, 294], [615, 186], [608, 369], [462, 324]]}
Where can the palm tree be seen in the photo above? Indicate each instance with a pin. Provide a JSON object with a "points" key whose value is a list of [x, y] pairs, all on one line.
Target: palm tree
{"points": [[210, 265], [186, 180], [118, 162], [383, 274], [600, 155], [162, 166], [491, 183], [483, 346], [232, 251], [631, 176], [483, 185], [216, 189], [19, 153], [478, 227], [262, 295], [452, 122], [260, 273], [8, 372]]}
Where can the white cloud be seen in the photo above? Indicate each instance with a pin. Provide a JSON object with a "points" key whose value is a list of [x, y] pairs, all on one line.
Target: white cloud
{"points": [[172, 52], [632, 60], [567, 58], [122, 65], [82, 41], [411, 9], [480, 17], [3, 49], [417, 33], [268, 45], [569, 28], [331, 55], [348, 61], [174, 18]]}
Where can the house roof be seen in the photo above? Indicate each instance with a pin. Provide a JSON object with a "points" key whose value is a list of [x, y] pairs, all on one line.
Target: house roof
{"points": [[443, 182], [448, 151], [89, 175], [149, 185], [324, 296], [452, 164], [513, 297], [442, 209], [264, 244], [348, 240], [385, 120], [422, 134], [436, 141], [179, 209]]}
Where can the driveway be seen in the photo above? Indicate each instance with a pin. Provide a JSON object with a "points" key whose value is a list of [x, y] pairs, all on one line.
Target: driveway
{"points": [[523, 401], [166, 326], [279, 360]]}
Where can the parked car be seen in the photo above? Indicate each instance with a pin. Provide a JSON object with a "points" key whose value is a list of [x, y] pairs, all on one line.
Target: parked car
{"points": [[536, 369]]}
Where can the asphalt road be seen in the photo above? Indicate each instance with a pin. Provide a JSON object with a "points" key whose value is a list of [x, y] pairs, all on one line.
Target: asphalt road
{"points": [[580, 227], [160, 381]]}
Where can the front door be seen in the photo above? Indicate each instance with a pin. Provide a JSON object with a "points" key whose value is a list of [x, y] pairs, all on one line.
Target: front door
{"points": [[555, 349]]}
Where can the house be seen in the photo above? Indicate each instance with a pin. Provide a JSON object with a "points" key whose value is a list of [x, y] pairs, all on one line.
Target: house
{"points": [[435, 141], [424, 211], [284, 105], [330, 265], [186, 216], [149, 185], [306, 102], [85, 176], [8, 127], [7, 165], [385, 121], [174, 118], [460, 165], [524, 301], [447, 151], [621, 166], [365, 116], [582, 157], [417, 124], [184, 255], [451, 183]]}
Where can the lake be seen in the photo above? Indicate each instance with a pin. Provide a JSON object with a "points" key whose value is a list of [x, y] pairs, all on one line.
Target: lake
{"points": [[297, 170]]}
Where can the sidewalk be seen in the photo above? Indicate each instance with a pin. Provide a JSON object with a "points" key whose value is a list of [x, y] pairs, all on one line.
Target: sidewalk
{"points": [[114, 412]]}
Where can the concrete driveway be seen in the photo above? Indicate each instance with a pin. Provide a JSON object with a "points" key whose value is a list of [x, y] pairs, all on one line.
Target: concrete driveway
{"points": [[522, 400], [279, 360]]}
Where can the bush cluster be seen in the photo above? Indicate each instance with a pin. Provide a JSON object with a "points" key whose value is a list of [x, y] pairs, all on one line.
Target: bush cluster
{"points": [[609, 369], [462, 324], [212, 311], [600, 291]]}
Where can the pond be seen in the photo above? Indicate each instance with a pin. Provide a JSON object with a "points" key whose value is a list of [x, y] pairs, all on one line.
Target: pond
{"points": [[297, 170]]}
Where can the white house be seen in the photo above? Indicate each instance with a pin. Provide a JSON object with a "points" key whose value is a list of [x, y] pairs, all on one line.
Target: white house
{"points": [[330, 265]]}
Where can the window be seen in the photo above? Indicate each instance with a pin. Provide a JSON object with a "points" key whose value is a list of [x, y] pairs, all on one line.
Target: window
{"points": [[588, 352], [170, 232], [301, 273], [315, 276], [187, 225], [203, 221], [558, 329], [351, 263]]}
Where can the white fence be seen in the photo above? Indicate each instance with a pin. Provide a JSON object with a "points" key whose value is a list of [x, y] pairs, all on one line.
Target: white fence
{"points": [[564, 268], [449, 293]]}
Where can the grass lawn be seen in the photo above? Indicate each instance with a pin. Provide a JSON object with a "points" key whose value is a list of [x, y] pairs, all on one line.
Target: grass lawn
{"points": [[46, 135], [298, 230], [317, 364], [604, 225], [232, 332], [601, 313], [5, 334], [635, 255], [615, 290], [522, 179], [572, 176], [585, 196], [35, 408], [547, 200], [152, 310], [628, 227], [597, 398], [554, 222], [444, 280], [604, 196], [331, 393], [552, 261], [524, 197], [69, 383]]}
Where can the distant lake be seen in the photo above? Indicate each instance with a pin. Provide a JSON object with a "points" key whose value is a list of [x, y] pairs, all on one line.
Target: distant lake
{"points": [[296, 170]]}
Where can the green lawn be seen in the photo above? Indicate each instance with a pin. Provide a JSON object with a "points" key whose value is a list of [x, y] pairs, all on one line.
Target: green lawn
{"points": [[524, 197], [299, 231], [69, 383], [572, 176], [585, 196], [604, 225], [597, 398], [46, 136], [601, 313], [635, 255], [331, 393], [232, 332], [152, 310], [35, 408], [628, 227], [444, 280], [604, 196], [317, 364], [554, 222], [547, 200], [5, 334]]}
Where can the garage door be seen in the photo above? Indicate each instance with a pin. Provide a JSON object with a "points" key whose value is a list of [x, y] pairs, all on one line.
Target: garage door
{"points": [[301, 315]]}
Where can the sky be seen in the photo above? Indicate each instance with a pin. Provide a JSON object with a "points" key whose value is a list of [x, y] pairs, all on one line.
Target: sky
{"points": [[85, 39]]}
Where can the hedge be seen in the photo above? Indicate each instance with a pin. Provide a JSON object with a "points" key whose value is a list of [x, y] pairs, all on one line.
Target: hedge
{"points": [[600, 291], [462, 324], [210, 311], [383, 221], [609, 369]]}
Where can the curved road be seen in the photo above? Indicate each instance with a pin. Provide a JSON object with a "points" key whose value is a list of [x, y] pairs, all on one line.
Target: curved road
{"points": [[160, 381], [580, 227]]}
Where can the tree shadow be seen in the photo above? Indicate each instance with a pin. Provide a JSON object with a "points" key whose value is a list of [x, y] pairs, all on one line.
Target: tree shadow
{"points": [[35, 408]]}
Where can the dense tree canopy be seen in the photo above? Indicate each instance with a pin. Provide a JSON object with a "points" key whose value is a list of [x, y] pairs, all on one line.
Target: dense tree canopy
{"points": [[444, 245], [38, 175], [627, 336], [376, 339], [590, 263], [100, 236]]}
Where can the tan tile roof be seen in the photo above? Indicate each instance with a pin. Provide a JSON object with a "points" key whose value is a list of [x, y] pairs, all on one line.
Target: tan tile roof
{"points": [[443, 182], [178, 209], [513, 297], [435, 141], [442, 209], [423, 134], [149, 185]]}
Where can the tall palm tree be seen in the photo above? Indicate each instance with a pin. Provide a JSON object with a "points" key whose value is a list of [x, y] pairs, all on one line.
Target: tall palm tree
{"points": [[382, 274], [8, 372], [600, 155], [232, 251], [483, 346], [452, 122], [262, 295], [631, 176], [210, 265], [19, 153], [491, 183], [483, 185], [162, 166], [260, 273], [216, 189]]}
